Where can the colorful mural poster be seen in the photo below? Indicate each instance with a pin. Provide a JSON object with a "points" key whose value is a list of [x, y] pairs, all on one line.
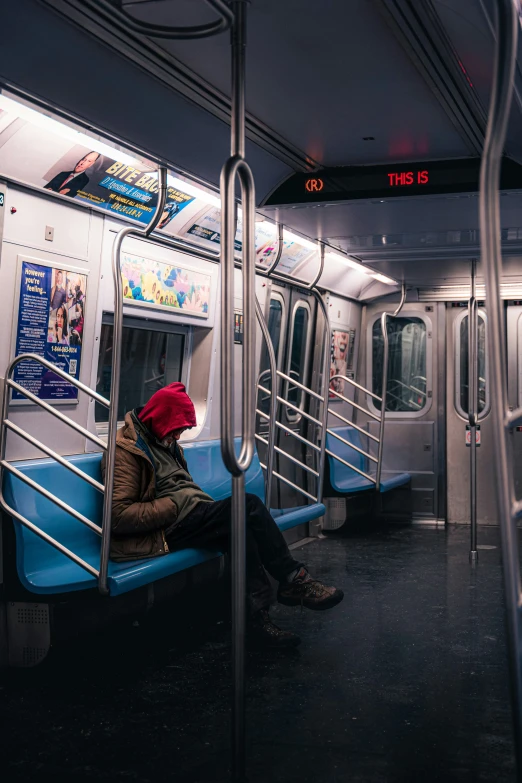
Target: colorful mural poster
{"points": [[338, 360], [157, 283], [50, 323]]}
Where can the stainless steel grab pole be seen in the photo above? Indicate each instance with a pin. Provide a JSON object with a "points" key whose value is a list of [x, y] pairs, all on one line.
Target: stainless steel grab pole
{"points": [[491, 258], [473, 408], [236, 166], [115, 371], [384, 328], [325, 382]]}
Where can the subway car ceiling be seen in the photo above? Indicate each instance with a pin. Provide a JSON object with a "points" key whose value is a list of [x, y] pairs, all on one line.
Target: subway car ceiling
{"points": [[399, 88]]}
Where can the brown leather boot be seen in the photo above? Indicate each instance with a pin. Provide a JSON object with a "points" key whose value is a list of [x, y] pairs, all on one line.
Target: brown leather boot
{"points": [[263, 633], [308, 592]]}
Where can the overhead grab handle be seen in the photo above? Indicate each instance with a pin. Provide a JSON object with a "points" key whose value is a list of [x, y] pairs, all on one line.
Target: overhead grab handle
{"points": [[225, 21]]}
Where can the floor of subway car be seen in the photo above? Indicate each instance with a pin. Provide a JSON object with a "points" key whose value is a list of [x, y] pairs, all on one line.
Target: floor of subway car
{"points": [[405, 680]]}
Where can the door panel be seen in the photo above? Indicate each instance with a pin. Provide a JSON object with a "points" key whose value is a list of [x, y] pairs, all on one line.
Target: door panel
{"points": [[458, 471], [413, 433]]}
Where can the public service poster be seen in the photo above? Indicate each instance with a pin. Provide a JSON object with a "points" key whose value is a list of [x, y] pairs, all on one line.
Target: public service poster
{"points": [[151, 282], [50, 323], [338, 360]]}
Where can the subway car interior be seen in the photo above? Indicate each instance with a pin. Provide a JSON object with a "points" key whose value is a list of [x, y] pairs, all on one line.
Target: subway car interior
{"points": [[310, 215]]}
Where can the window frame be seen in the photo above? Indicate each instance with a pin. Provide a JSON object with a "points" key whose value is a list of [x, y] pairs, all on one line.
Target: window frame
{"points": [[291, 416], [405, 313], [456, 391], [148, 325]]}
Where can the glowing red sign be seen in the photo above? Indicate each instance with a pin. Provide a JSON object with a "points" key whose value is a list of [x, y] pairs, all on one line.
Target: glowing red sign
{"points": [[406, 178], [314, 185]]}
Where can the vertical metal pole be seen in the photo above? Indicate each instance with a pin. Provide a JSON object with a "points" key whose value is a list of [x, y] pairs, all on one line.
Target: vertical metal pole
{"points": [[473, 408], [237, 553], [326, 391], [489, 215], [115, 372]]}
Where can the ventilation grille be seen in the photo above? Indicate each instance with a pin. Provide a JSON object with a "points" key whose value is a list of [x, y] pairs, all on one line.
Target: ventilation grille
{"points": [[33, 655], [29, 615], [448, 293], [335, 516]]}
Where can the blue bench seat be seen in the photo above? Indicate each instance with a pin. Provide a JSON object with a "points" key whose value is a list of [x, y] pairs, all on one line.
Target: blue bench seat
{"points": [[345, 480], [44, 570]]}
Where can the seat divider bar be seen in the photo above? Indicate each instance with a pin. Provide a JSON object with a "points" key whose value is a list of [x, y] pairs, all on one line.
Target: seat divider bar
{"points": [[49, 495], [50, 453]]}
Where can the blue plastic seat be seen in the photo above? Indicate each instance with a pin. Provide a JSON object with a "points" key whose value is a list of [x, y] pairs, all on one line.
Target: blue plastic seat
{"points": [[345, 480], [44, 570]]}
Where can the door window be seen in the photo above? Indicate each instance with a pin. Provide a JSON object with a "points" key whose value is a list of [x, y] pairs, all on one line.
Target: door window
{"points": [[462, 368], [407, 382], [151, 357], [298, 358], [275, 326]]}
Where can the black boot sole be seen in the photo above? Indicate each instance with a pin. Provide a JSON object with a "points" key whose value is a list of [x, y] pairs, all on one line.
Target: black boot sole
{"points": [[328, 603]]}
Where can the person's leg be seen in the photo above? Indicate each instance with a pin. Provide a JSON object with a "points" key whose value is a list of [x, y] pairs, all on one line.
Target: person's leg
{"points": [[208, 525], [273, 549]]}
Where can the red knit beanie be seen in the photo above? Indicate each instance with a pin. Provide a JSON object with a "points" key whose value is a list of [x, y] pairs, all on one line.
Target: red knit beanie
{"points": [[168, 409]]}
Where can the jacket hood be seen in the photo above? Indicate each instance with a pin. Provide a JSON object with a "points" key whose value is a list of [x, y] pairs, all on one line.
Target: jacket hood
{"points": [[168, 409]]}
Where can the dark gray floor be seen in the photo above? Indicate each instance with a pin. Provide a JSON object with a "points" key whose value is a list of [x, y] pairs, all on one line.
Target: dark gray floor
{"points": [[405, 681]]}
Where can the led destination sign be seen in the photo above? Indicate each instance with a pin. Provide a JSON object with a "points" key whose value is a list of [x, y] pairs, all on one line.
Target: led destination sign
{"points": [[345, 183]]}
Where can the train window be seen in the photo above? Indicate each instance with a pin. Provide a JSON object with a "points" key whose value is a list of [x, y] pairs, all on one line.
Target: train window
{"points": [[462, 366], [407, 383], [275, 328], [298, 357], [151, 357]]}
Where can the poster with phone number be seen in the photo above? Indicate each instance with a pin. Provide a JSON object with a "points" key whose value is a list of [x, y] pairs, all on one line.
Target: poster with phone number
{"points": [[50, 323]]}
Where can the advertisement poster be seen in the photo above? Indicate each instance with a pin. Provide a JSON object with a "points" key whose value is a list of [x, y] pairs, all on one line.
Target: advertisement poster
{"points": [[114, 186], [293, 254], [338, 360], [207, 227], [157, 283], [50, 323], [267, 244]]}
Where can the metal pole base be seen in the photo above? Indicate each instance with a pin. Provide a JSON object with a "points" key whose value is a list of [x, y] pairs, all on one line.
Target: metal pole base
{"points": [[473, 557]]}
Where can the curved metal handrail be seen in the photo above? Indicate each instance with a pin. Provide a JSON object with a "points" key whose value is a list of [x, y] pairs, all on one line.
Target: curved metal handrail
{"points": [[268, 271], [384, 327], [225, 21], [490, 245], [473, 408], [115, 370]]}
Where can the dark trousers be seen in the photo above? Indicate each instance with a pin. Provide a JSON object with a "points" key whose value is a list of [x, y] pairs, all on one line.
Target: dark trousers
{"points": [[208, 525]]}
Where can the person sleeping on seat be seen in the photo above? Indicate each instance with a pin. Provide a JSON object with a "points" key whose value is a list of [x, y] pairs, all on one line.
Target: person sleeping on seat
{"points": [[158, 508]]}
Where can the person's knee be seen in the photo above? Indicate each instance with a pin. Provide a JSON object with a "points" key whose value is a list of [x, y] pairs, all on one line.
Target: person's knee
{"points": [[252, 501]]}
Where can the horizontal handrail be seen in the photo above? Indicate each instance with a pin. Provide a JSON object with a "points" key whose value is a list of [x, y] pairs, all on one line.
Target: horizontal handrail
{"points": [[50, 453], [49, 539], [356, 385], [296, 461], [24, 357], [300, 385], [352, 446], [56, 413], [291, 484], [348, 465], [291, 405], [45, 492], [297, 436], [153, 30], [355, 426], [355, 405]]}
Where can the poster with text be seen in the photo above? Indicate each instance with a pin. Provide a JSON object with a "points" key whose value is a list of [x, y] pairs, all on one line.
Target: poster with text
{"points": [[50, 323], [338, 360], [165, 285]]}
